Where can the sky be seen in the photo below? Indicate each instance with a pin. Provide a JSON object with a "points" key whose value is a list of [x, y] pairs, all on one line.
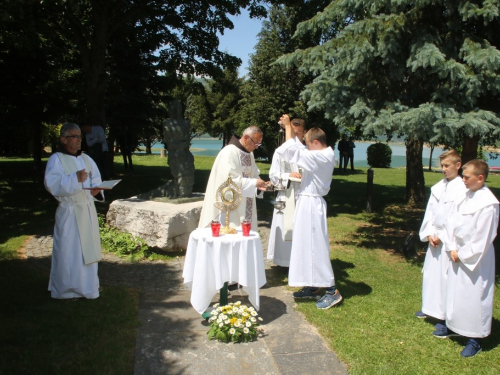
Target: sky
{"points": [[241, 40]]}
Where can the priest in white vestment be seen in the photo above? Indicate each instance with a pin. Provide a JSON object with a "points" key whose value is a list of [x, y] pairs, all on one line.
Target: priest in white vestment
{"points": [[237, 161], [434, 230], [77, 246], [310, 264], [280, 238], [471, 275]]}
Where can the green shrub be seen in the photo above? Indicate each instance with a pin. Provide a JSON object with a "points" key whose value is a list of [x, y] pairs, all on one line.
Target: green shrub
{"points": [[379, 155], [120, 243]]}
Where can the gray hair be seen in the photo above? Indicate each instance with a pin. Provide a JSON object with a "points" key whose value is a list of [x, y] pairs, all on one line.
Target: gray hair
{"points": [[252, 130], [67, 126]]}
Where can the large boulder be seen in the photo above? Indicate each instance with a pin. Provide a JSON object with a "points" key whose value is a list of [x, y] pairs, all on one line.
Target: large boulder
{"points": [[161, 224]]}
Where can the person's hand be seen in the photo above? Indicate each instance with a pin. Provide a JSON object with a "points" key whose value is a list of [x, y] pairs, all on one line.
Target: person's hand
{"points": [[296, 175], [434, 241], [261, 184], [454, 256], [82, 175], [284, 121], [94, 192]]}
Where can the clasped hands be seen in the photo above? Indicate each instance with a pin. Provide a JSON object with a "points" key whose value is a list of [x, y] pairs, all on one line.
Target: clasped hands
{"points": [[436, 242]]}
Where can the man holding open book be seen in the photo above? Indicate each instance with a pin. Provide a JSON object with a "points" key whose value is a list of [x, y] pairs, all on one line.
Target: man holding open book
{"points": [[71, 177]]}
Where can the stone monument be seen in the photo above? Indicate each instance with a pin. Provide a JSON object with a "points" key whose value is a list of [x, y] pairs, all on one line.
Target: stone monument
{"points": [[177, 137], [164, 217]]}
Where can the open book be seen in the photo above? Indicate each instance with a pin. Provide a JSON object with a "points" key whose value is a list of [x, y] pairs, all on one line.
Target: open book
{"points": [[105, 185]]}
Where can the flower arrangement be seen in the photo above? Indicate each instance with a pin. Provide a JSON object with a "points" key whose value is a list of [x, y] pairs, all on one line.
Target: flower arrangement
{"points": [[234, 322]]}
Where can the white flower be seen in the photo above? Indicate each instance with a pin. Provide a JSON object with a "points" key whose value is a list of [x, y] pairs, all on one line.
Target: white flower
{"points": [[235, 309], [232, 331], [260, 318], [219, 320], [216, 305], [253, 320], [227, 321], [221, 325], [246, 330], [254, 313], [248, 324], [238, 303], [237, 324]]}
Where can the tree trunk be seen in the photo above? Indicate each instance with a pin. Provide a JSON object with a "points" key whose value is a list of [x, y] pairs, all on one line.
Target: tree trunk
{"points": [[469, 150], [430, 158], [37, 147], [415, 183]]}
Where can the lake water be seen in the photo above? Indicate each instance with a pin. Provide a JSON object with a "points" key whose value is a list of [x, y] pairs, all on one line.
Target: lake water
{"points": [[211, 147]]}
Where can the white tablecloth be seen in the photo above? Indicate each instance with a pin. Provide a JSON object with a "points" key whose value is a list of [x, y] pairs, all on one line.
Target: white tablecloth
{"points": [[211, 261]]}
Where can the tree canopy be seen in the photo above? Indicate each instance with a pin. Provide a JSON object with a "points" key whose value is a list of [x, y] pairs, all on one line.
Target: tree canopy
{"points": [[428, 70]]}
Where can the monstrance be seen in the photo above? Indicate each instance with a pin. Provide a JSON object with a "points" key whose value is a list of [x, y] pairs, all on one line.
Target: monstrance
{"points": [[228, 198]]}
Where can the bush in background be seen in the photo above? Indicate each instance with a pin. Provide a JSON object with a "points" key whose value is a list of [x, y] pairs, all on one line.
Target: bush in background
{"points": [[379, 155]]}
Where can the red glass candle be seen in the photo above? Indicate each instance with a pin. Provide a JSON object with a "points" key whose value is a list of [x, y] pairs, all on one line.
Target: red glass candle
{"points": [[245, 227], [215, 228]]}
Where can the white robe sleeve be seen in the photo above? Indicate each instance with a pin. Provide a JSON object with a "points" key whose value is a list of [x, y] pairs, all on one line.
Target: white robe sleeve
{"points": [[483, 234], [247, 184], [427, 228], [276, 171], [57, 182]]}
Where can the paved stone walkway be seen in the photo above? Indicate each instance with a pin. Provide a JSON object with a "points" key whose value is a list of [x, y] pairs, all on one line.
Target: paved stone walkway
{"points": [[172, 338]]}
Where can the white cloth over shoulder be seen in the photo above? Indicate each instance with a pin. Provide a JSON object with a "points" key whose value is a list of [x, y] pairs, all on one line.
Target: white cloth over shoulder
{"points": [[310, 263], [70, 277], [436, 222], [240, 165], [471, 281], [280, 237]]}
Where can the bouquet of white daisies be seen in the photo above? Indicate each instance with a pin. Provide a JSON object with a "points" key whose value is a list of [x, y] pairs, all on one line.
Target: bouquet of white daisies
{"points": [[234, 322]]}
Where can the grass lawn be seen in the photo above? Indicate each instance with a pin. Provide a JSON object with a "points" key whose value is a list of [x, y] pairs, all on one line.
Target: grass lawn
{"points": [[373, 331]]}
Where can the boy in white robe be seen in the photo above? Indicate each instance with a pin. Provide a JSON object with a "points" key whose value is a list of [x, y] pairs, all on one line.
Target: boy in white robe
{"points": [[310, 264], [434, 229], [280, 238], [471, 275], [77, 246]]}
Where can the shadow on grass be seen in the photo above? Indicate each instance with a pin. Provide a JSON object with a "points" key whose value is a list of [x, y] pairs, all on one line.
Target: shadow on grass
{"points": [[164, 310], [347, 287]]}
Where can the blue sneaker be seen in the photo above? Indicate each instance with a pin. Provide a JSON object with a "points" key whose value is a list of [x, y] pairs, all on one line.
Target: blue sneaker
{"points": [[444, 332], [307, 292], [329, 300], [471, 348], [440, 325], [421, 315]]}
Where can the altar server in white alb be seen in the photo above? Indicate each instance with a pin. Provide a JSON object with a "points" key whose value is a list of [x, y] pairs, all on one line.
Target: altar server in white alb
{"points": [[280, 237], [471, 276], [77, 246], [310, 264], [235, 160], [435, 230]]}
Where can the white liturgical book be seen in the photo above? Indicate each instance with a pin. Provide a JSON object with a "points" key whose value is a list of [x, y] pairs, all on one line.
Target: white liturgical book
{"points": [[105, 185]]}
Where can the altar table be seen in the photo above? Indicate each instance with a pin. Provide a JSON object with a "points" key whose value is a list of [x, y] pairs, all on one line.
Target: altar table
{"points": [[212, 261]]}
